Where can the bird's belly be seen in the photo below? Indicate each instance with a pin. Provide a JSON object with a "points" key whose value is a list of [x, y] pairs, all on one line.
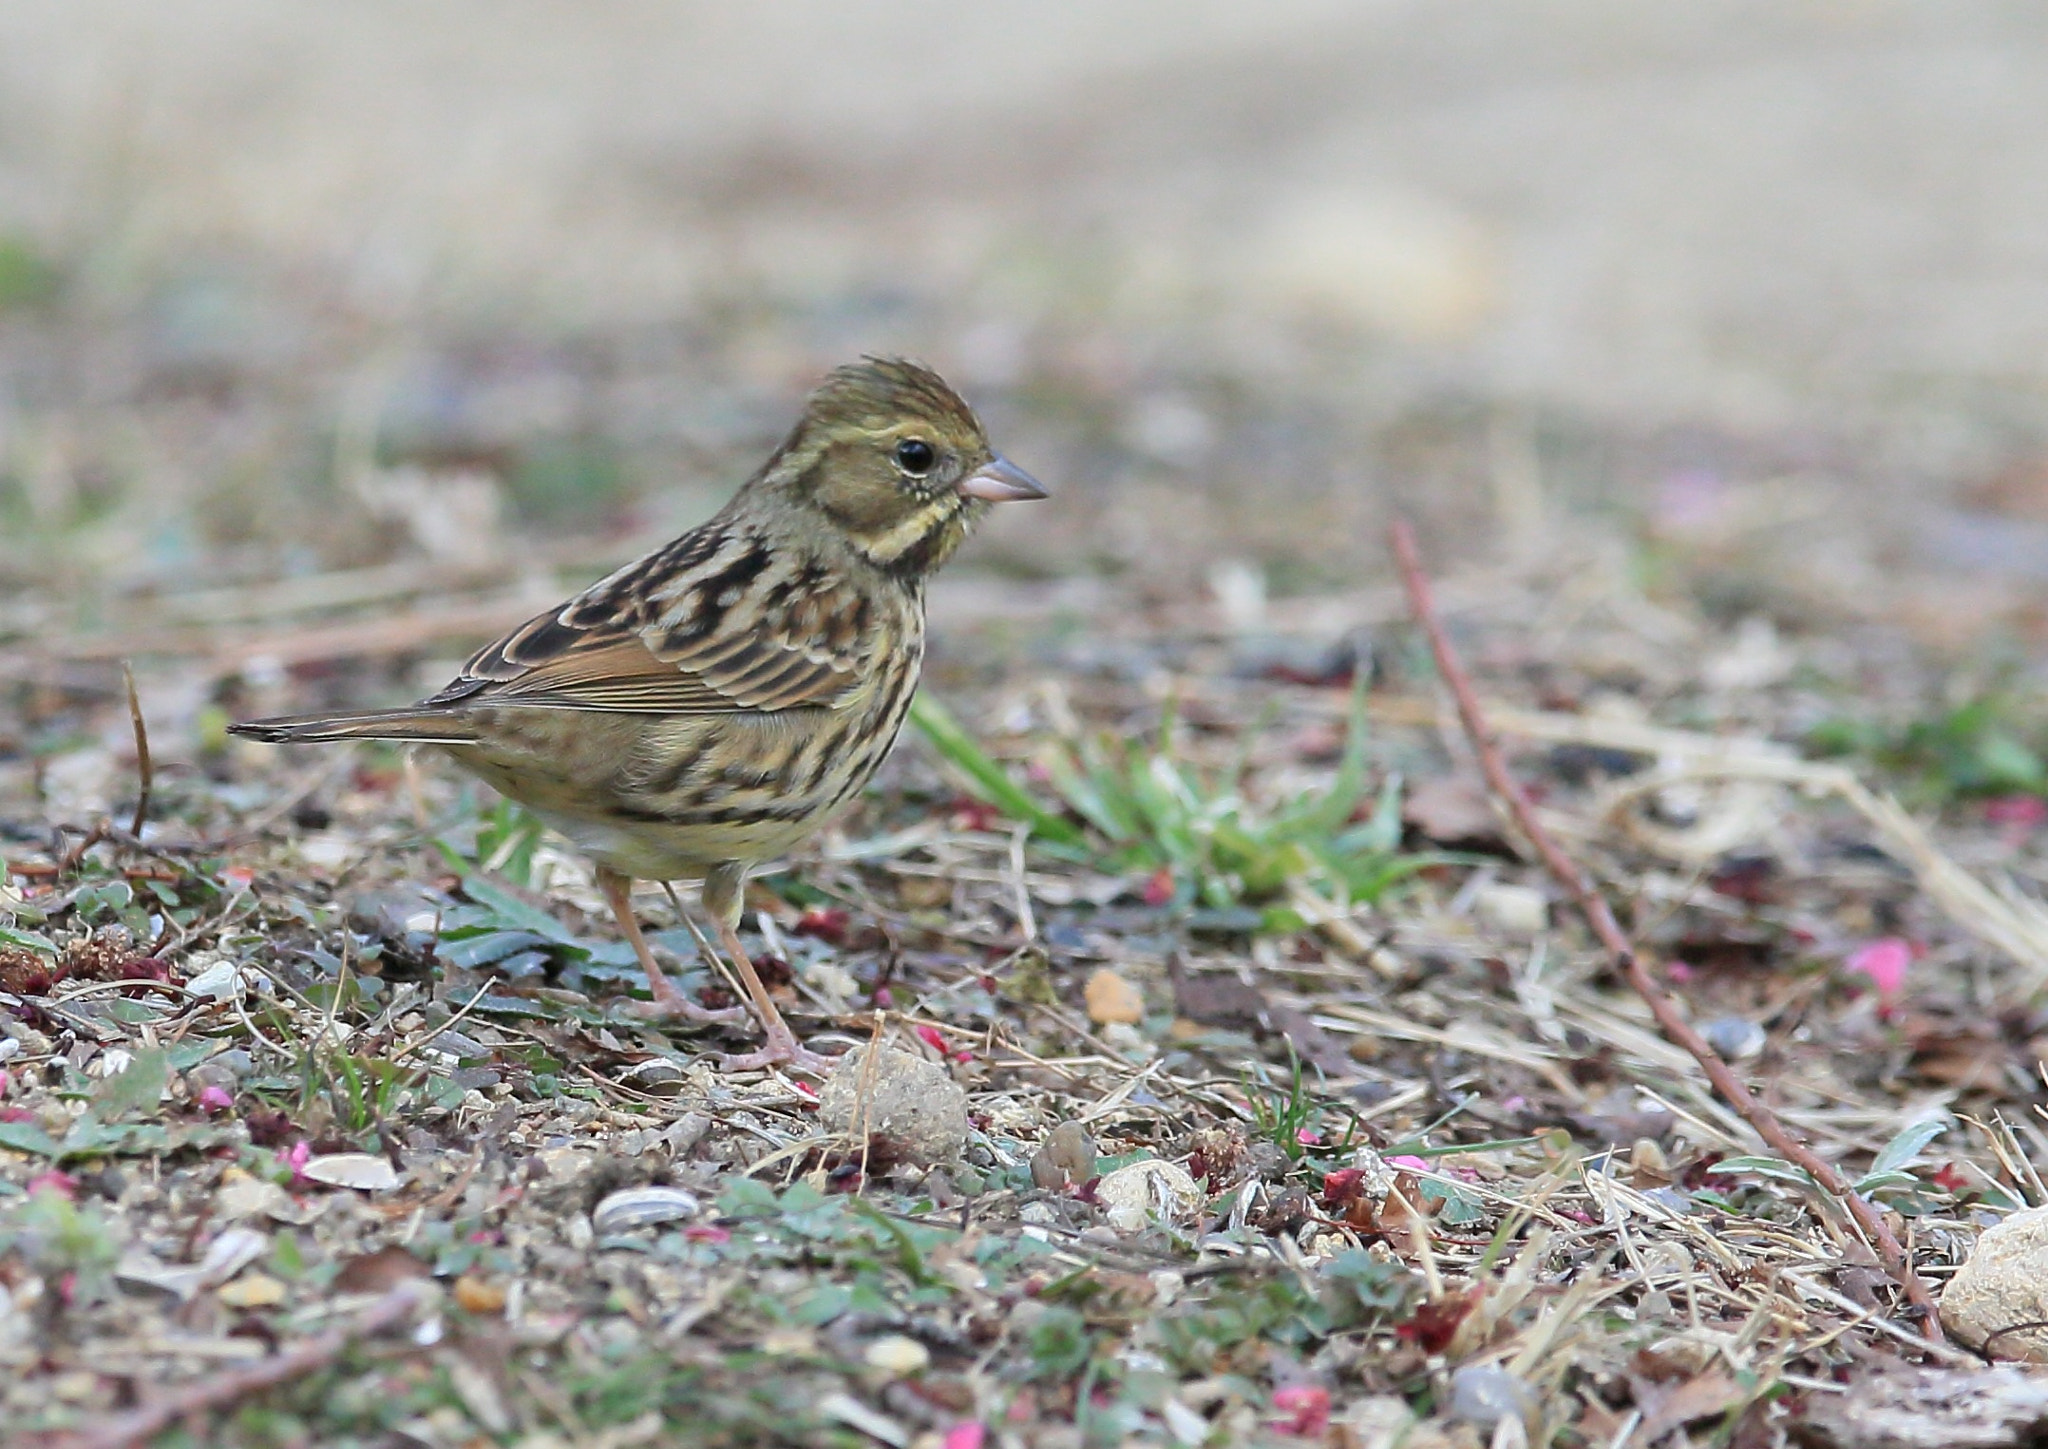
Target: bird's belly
{"points": [[669, 798]]}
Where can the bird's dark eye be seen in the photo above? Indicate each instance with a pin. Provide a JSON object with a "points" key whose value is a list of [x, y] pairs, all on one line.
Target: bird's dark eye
{"points": [[915, 456]]}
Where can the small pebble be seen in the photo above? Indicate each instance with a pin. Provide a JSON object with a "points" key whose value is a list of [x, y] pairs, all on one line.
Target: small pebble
{"points": [[478, 1296], [1736, 1038], [258, 1290], [916, 1104], [1140, 1193], [1066, 1157], [1111, 998], [1483, 1395], [897, 1356], [1513, 910]]}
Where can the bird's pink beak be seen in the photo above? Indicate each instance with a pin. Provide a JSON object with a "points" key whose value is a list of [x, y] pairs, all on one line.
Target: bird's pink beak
{"points": [[1000, 481]]}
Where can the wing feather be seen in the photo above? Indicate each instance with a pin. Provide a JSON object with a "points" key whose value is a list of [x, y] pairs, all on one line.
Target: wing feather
{"points": [[737, 628]]}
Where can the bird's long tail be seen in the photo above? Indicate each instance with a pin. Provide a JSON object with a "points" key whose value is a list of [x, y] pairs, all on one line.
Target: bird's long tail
{"points": [[409, 726]]}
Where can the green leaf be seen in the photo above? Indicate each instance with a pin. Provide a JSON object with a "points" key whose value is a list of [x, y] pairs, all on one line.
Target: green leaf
{"points": [[138, 1089], [1766, 1167], [515, 913], [1898, 1154], [985, 778], [27, 940], [27, 1137]]}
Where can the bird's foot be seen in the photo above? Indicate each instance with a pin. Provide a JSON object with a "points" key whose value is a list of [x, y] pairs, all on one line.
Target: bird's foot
{"points": [[669, 1004], [781, 1049]]}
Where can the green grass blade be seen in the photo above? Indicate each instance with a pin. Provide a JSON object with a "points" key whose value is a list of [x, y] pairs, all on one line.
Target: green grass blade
{"points": [[985, 778]]}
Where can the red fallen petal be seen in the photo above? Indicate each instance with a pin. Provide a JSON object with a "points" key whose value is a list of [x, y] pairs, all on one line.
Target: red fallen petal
{"points": [[1435, 1323], [1159, 888], [806, 1089], [828, 924], [707, 1233], [1307, 1408], [61, 1183], [1341, 1186], [970, 1435], [1950, 1178], [975, 815], [932, 1037]]}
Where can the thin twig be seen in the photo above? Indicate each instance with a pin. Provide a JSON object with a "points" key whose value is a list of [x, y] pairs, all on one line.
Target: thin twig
{"points": [[220, 1391], [144, 770], [1600, 916]]}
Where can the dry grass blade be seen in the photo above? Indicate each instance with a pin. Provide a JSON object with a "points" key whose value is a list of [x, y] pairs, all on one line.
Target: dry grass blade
{"points": [[2018, 927], [1600, 916], [145, 771], [206, 1395]]}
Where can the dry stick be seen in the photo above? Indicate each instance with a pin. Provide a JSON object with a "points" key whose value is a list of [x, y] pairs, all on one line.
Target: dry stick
{"points": [[143, 768], [1601, 918], [137, 1425]]}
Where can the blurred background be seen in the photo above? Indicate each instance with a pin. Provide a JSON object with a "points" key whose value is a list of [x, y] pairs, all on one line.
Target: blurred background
{"points": [[393, 317]]}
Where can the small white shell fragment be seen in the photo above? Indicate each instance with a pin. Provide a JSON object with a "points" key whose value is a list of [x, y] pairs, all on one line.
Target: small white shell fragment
{"points": [[363, 1170], [658, 1075], [1143, 1192], [897, 1356], [855, 1415], [222, 981], [639, 1207], [110, 1063], [230, 1253]]}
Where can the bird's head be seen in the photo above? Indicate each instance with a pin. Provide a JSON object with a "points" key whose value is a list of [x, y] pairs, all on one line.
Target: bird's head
{"points": [[892, 458]]}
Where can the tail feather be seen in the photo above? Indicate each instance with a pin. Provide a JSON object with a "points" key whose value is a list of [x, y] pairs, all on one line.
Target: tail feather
{"points": [[411, 725]]}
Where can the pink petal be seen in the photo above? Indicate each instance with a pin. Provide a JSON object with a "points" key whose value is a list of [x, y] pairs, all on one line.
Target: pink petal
{"points": [[2024, 811], [215, 1099], [1307, 1407], [932, 1037], [965, 1436], [1408, 1164], [1307, 1138], [1884, 961], [61, 1183]]}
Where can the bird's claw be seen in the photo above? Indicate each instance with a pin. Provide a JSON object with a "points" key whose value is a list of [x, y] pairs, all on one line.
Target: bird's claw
{"points": [[782, 1049], [671, 1004]]}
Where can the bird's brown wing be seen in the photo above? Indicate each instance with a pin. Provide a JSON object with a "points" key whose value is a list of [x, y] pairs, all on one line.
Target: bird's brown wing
{"points": [[737, 627]]}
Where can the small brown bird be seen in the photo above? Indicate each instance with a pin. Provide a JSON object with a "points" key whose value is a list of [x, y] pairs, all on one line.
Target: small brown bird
{"points": [[709, 706]]}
